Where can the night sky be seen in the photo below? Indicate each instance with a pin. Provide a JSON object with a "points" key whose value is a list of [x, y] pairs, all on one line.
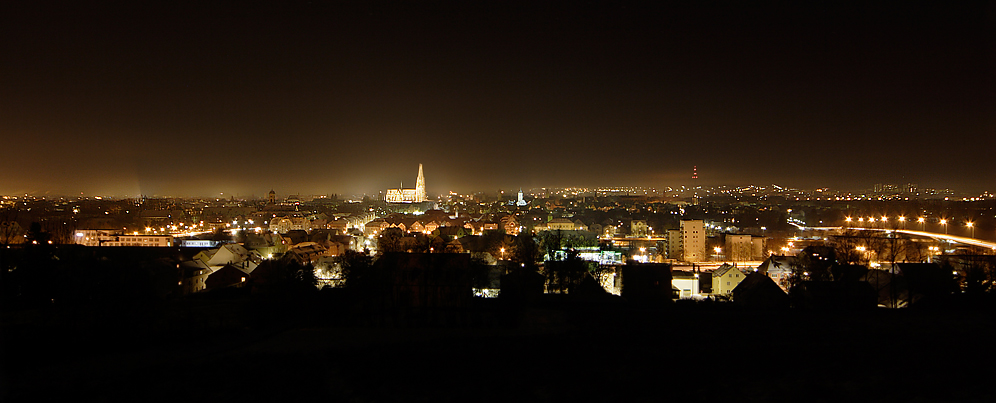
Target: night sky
{"points": [[166, 98]]}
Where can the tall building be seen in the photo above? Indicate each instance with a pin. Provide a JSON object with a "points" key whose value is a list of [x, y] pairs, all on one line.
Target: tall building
{"points": [[416, 195], [673, 249], [692, 240]]}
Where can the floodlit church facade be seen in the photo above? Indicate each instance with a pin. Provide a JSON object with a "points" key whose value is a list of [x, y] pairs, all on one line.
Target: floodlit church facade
{"points": [[416, 195]]}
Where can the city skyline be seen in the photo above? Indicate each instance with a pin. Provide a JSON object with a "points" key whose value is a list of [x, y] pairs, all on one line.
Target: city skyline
{"points": [[193, 99]]}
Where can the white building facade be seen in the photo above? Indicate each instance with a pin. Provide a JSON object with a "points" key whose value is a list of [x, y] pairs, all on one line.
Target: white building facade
{"points": [[99, 237], [693, 240]]}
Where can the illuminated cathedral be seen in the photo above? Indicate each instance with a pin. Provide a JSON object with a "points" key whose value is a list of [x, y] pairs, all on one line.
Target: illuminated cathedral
{"points": [[416, 195]]}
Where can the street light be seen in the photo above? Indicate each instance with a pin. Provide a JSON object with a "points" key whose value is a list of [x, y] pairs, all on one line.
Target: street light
{"points": [[921, 220], [972, 226], [945, 224], [903, 220]]}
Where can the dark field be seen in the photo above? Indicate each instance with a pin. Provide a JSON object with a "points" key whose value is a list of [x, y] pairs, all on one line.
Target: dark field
{"points": [[241, 351]]}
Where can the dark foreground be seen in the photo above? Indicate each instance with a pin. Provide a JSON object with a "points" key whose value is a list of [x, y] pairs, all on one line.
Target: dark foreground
{"points": [[551, 352]]}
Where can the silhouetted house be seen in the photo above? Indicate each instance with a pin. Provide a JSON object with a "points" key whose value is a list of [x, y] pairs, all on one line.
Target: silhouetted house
{"points": [[454, 246], [296, 236], [455, 232], [847, 295], [759, 291], [848, 290], [339, 244], [646, 282], [195, 275], [890, 290], [227, 276], [424, 279], [471, 243], [522, 285], [319, 236], [928, 282], [487, 283], [848, 273], [974, 270]]}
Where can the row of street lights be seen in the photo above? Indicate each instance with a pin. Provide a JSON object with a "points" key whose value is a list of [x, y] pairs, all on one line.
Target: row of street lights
{"points": [[902, 220]]}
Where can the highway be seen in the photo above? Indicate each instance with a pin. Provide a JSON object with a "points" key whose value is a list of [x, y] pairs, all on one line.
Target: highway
{"points": [[934, 235]]}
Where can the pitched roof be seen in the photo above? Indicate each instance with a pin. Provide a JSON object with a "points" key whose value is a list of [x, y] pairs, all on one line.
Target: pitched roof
{"points": [[722, 269], [776, 263], [760, 291]]}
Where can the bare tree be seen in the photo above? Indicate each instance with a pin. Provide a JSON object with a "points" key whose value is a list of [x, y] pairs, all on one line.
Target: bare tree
{"points": [[10, 230], [845, 246]]}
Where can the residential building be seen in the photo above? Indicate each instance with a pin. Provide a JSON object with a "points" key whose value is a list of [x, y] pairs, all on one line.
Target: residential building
{"points": [[230, 254], [779, 269], [673, 239], [562, 224], [744, 247], [99, 237], [693, 240], [726, 278], [686, 282]]}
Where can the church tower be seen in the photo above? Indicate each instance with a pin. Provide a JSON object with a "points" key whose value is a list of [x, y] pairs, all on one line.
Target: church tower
{"points": [[420, 186]]}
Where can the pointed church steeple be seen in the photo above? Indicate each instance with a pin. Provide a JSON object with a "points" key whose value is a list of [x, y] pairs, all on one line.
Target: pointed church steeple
{"points": [[420, 186]]}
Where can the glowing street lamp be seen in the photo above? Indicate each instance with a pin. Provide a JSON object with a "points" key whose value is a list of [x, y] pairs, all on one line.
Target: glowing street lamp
{"points": [[972, 226], [945, 224], [921, 220], [903, 221]]}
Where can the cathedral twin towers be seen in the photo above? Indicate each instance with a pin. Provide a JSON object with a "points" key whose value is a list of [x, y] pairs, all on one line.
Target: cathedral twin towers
{"points": [[416, 195]]}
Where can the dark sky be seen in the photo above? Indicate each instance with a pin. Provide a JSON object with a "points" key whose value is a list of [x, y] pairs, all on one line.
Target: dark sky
{"points": [[187, 99]]}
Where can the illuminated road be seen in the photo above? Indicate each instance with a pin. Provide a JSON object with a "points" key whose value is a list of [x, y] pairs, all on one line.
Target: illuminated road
{"points": [[934, 235]]}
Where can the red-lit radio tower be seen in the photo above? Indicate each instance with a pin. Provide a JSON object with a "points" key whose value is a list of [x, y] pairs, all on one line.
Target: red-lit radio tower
{"points": [[695, 172]]}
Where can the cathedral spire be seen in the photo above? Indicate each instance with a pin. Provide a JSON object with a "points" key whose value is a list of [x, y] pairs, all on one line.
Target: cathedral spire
{"points": [[420, 186]]}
